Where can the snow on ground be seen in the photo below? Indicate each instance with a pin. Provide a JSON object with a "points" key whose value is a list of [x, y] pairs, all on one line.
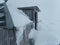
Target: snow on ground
{"points": [[45, 38], [49, 25], [32, 33]]}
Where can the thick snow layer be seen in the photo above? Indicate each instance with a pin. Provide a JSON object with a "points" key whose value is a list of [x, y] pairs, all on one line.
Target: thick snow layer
{"points": [[45, 38], [49, 25], [19, 35], [19, 19], [32, 33], [1, 1], [23, 3], [49, 20]]}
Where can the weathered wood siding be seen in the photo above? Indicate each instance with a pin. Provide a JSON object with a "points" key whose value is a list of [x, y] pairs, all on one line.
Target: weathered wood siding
{"points": [[7, 37]]}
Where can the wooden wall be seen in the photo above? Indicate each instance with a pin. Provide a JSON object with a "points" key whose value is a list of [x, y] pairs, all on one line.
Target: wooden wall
{"points": [[7, 37]]}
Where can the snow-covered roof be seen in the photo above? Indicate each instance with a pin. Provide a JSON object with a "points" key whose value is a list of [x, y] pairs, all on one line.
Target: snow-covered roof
{"points": [[30, 8], [1, 1], [19, 18]]}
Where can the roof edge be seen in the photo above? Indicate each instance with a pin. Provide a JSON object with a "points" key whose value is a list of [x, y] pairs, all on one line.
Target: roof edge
{"points": [[30, 7]]}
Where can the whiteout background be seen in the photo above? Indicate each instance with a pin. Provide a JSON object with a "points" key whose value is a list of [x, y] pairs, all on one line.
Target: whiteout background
{"points": [[49, 26]]}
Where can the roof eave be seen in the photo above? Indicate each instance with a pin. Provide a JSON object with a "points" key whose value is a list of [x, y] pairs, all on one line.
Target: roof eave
{"points": [[30, 8]]}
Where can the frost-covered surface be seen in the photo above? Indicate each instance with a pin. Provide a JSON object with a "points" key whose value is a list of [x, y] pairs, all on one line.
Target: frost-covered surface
{"points": [[49, 26], [1, 1], [32, 33], [19, 19]]}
